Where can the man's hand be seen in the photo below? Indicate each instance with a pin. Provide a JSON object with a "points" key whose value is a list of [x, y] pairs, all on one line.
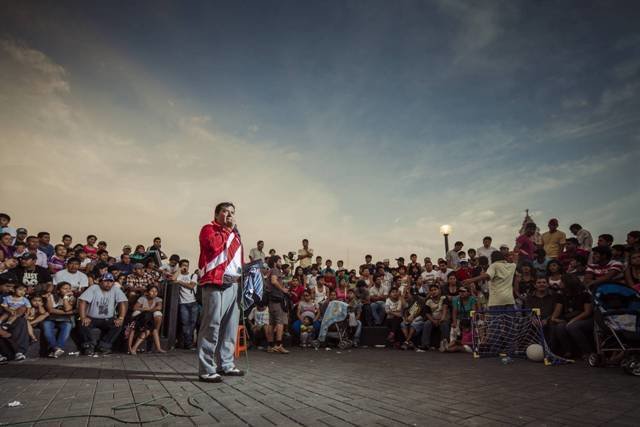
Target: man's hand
{"points": [[118, 322], [86, 322]]}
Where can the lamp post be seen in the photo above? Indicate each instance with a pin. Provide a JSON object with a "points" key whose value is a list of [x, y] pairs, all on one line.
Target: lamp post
{"points": [[445, 230]]}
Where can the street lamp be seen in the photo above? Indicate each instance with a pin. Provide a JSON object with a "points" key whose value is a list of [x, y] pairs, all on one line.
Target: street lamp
{"points": [[445, 230]]}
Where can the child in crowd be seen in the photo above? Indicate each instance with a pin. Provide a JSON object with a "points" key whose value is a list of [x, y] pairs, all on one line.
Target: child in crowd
{"points": [[14, 306], [393, 308], [36, 314], [57, 261], [259, 322], [306, 332]]}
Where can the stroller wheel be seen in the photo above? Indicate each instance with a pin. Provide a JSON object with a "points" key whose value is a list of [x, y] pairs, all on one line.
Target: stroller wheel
{"points": [[594, 360], [632, 367]]}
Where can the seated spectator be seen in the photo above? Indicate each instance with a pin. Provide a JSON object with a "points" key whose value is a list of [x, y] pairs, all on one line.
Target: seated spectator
{"points": [[443, 272], [6, 245], [139, 255], [33, 248], [188, 306], [147, 313], [73, 276], [585, 241], [19, 249], [66, 242], [90, 248], [618, 253], [320, 291], [259, 322], [572, 319], [307, 332], [14, 342], [413, 319], [61, 308], [540, 263], [152, 272], [465, 271], [125, 265], [542, 300], [525, 282], [437, 316], [554, 274], [461, 308], [378, 296], [342, 289], [302, 278], [571, 252], [44, 244], [306, 307], [8, 271], [102, 258], [97, 309], [632, 273], [15, 306], [450, 289], [34, 277], [603, 268], [138, 281], [393, 308], [296, 289], [35, 315], [57, 261], [84, 259], [170, 270]]}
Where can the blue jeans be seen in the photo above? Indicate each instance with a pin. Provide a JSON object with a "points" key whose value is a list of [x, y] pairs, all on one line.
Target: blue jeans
{"points": [[188, 318], [49, 330], [377, 312], [445, 329]]}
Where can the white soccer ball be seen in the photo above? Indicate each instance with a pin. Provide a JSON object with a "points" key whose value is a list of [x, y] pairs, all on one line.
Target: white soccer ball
{"points": [[535, 353]]}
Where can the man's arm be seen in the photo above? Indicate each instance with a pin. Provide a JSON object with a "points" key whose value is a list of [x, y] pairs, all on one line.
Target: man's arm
{"points": [[122, 312], [276, 283], [82, 311]]}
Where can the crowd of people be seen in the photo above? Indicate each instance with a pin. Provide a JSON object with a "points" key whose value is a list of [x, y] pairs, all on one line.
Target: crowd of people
{"points": [[424, 305]]}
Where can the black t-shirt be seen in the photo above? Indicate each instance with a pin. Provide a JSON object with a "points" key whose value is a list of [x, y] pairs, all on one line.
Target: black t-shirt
{"points": [[9, 276], [546, 304], [572, 305], [34, 277], [414, 270]]}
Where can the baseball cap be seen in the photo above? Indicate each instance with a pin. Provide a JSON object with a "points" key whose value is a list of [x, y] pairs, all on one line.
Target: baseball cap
{"points": [[504, 245], [400, 259], [22, 230], [107, 277], [464, 260], [126, 247], [28, 255]]}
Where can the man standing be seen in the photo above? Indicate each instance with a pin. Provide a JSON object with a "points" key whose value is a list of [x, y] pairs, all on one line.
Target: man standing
{"points": [[554, 240], [525, 247], [305, 255], [188, 306], [277, 303], [44, 241], [486, 249], [221, 266], [256, 253], [585, 240], [452, 256]]}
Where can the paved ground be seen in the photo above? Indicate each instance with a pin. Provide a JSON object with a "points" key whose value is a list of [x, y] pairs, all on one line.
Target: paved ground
{"points": [[368, 387]]}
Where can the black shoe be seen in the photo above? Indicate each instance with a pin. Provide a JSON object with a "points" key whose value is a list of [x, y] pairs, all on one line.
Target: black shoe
{"points": [[88, 351], [210, 378], [104, 351], [233, 372]]}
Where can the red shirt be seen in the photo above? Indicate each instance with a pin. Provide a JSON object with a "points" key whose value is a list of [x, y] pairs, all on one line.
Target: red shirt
{"points": [[566, 257], [527, 247]]}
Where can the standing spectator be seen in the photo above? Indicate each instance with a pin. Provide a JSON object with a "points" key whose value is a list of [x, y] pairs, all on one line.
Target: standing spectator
{"points": [[277, 303], [368, 265], [6, 246], [44, 243], [553, 240], [414, 269], [256, 253], [157, 247], [33, 276], [57, 261], [90, 248], [452, 256], [305, 255], [188, 306], [320, 291], [72, 275], [32, 247], [97, 309], [585, 241], [486, 249], [525, 246], [61, 307], [5, 219]]}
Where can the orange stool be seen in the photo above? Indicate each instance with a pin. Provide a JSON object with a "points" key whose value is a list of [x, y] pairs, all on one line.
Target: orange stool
{"points": [[241, 341]]}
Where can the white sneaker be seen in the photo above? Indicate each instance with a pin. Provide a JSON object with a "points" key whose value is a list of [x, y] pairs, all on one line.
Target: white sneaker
{"points": [[19, 357], [443, 346], [59, 352], [3, 360], [211, 378]]}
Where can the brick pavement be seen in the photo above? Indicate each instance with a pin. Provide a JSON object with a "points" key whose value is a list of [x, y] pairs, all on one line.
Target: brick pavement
{"points": [[364, 387]]}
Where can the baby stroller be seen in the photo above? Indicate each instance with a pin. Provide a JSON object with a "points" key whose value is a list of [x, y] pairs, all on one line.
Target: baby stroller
{"points": [[336, 315], [617, 326]]}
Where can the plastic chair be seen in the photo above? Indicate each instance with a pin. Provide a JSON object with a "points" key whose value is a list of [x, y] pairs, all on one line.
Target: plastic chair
{"points": [[241, 341]]}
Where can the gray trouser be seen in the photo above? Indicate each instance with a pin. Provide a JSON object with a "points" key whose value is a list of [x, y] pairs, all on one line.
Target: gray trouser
{"points": [[218, 329]]}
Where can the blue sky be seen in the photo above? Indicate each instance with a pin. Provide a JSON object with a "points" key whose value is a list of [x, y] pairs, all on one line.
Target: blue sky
{"points": [[361, 125]]}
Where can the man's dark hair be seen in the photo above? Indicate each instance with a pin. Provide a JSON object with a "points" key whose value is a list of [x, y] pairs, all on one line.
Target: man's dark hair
{"points": [[271, 261], [487, 238], [92, 235], [458, 243], [260, 241], [59, 245], [18, 243], [30, 237], [368, 256], [4, 234], [223, 205], [620, 248], [483, 260], [635, 234], [102, 243], [174, 257], [603, 251], [541, 252], [123, 255], [156, 238], [102, 251], [497, 256], [73, 259], [5, 216], [305, 240], [43, 233], [19, 285], [577, 227], [606, 237], [64, 236], [183, 261], [573, 240]]}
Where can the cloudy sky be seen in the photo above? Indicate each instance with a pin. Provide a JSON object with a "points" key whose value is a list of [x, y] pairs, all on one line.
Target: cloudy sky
{"points": [[363, 126]]}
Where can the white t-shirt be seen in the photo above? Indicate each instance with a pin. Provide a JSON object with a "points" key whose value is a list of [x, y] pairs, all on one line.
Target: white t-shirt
{"points": [[429, 277], [261, 318], [443, 276], [187, 295], [392, 306], [77, 280], [482, 251]]}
